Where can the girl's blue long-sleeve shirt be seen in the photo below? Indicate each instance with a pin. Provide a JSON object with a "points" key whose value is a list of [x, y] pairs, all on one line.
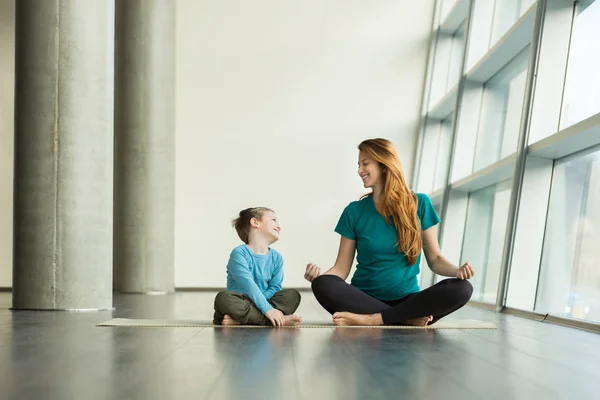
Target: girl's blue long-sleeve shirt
{"points": [[257, 276]]}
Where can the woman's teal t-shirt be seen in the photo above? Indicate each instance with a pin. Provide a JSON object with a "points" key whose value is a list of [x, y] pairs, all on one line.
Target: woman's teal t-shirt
{"points": [[382, 271]]}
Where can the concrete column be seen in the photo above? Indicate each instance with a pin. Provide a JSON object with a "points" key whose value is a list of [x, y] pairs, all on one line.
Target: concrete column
{"points": [[63, 180], [144, 146]]}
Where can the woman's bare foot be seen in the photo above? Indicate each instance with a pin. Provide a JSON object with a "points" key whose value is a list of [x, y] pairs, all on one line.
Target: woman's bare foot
{"points": [[351, 319], [422, 321], [292, 320], [228, 321]]}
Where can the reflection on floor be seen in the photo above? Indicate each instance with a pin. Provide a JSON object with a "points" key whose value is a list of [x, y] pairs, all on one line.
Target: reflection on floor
{"points": [[55, 355]]}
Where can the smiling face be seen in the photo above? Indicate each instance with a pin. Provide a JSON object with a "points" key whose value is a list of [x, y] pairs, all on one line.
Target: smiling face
{"points": [[369, 171], [268, 226]]}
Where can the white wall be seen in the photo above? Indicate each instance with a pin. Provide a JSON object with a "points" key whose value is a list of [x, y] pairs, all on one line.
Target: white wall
{"points": [[7, 81], [273, 97]]}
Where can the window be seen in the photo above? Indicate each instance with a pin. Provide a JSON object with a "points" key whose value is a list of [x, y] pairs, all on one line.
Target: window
{"points": [[483, 242], [491, 21], [443, 156], [456, 57], [582, 90], [506, 13], [426, 275], [447, 63], [569, 283], [446, 7], [428, 157], [554, 240], [501, 112], [435, 157]]}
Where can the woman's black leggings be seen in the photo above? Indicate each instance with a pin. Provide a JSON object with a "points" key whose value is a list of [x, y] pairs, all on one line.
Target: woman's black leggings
{"points": [[439, 300]]}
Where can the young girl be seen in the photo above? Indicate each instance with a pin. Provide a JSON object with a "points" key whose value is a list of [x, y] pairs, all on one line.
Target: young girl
{"points": [[388, 228], [254, 276]]}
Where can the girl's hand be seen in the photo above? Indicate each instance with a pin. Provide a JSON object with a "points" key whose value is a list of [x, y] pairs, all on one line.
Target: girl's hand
{"points": [[276, 317]]}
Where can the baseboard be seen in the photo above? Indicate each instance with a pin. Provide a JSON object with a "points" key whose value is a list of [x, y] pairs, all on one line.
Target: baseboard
{"points": [[183, 289], [218, 289], [303, 289], [573, 323], [539, 317], [481, 304], [553, 319], [199, 289]]}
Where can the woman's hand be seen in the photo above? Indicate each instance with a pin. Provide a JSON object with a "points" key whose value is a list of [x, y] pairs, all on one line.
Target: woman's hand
{"points": [[312, 272], [466, 271]]}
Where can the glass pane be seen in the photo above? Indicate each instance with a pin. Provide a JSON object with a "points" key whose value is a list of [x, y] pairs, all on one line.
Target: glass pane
{"points": [[479, 38], [496, 248], [456, 57], [439, 78], [427, 168], [569, 283], [425, 277], [444, 149], [491, 21], [447, 62], [582, 88], [501, 113], [526, 5], [514, 108], [483, 243], [506, 13], [447, 6]]}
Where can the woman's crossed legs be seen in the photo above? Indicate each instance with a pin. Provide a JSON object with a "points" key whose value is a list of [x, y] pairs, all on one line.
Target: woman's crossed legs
{"points": [[351, 306]]}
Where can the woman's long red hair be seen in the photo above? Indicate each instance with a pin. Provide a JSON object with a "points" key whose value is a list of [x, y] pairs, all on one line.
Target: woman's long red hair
{"points": [[397, 202]]}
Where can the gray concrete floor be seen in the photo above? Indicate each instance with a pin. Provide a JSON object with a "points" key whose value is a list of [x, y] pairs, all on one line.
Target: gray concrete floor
{"points": [[57, 355]]}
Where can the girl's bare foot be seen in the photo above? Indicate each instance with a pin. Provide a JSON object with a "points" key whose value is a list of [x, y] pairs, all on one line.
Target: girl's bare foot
{"points": [[292, 320], [422, 321], [351, 319], [228, 321]]}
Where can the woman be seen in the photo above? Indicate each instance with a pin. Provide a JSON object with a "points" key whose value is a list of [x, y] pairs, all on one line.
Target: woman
{"points": [[388, 228]]}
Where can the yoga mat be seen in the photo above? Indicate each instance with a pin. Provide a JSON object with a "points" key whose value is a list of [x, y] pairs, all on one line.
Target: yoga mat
{"points": [[167, 323]]}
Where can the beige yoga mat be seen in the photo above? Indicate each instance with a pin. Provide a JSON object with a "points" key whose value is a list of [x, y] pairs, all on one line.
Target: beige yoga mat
{"points": [[167, 323]]}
